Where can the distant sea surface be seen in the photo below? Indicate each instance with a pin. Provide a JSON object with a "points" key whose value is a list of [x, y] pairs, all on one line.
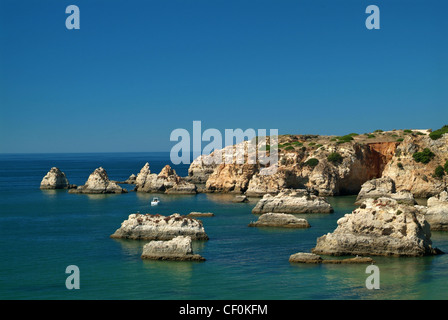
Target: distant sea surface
{"points": [[43, 232]]}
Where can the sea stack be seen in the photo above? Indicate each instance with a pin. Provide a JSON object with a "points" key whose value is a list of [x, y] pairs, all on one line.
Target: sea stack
{"points": [[55, 179], [98, 183], [166, 179], [379, 227], [178, 249], [292, 201], [158, 227]]}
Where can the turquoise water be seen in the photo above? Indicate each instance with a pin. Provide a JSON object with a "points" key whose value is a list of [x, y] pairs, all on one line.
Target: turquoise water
{"points": [[42, 232]]}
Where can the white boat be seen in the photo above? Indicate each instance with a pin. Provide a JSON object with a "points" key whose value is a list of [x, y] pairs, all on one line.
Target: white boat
{"points": [[155, 201]]}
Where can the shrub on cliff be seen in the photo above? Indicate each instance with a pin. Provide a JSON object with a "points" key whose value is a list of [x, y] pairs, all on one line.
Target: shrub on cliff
{"points": [[346, 138], [439, 172], [438, 133], [446, 166], [312, 162], [335, 158], [424, 157]]}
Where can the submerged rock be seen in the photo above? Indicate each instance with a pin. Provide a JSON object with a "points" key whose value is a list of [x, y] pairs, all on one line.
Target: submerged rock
{"points": [[280, 220], [200, 214], [157, 227], [55, 179], [292, 201], [303, 257], [240, 199], [379, 227], [98, 183], [178, 248], [437, 212]]}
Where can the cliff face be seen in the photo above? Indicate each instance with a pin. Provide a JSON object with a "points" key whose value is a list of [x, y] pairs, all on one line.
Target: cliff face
{"points": [[418, 177], [361, 158]]}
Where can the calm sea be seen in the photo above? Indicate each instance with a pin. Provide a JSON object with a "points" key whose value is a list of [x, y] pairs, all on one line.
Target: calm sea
{"points": [[43, 232]]}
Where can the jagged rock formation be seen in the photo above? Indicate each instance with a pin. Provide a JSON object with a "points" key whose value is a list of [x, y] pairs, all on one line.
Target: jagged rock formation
{"points": [[55, 179], [379, 227], [292, 201], [157, 227], [178, 248], [131, 180], [200, 169], [151, 182], [98, 182], [437, 212], [383, 187], [280, 220]]}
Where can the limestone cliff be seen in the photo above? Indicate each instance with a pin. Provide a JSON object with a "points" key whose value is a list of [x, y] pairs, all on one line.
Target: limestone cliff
{"points": [[303, 162], [418, 177], [330, 165]]}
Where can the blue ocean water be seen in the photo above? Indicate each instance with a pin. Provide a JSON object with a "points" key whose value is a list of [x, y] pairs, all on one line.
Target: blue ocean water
{"points": [[43, 232]]}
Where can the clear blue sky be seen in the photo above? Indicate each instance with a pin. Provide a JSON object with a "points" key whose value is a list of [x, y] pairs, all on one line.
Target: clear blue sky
{"points": [[136, 70]]}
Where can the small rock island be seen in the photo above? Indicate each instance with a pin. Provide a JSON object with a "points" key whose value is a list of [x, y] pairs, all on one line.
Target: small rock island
{"points": [[178, 249], [99, 183], [292, 201], [283, 220], [379, 227], [55, 179], [158, 227]]}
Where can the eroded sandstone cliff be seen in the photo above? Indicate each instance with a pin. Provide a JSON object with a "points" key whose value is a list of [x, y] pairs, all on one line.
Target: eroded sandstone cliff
{"points": [[330, 165]]}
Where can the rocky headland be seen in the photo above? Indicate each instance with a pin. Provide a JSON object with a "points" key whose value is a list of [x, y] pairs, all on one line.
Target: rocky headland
{"points": [[334, 165], [158, 227], [292, 201], [99, 183], [282, 220], [178, 249], [379, 227]]}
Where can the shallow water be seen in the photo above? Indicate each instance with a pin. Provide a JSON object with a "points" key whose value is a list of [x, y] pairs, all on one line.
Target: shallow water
{"points": [[42, 232]]}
